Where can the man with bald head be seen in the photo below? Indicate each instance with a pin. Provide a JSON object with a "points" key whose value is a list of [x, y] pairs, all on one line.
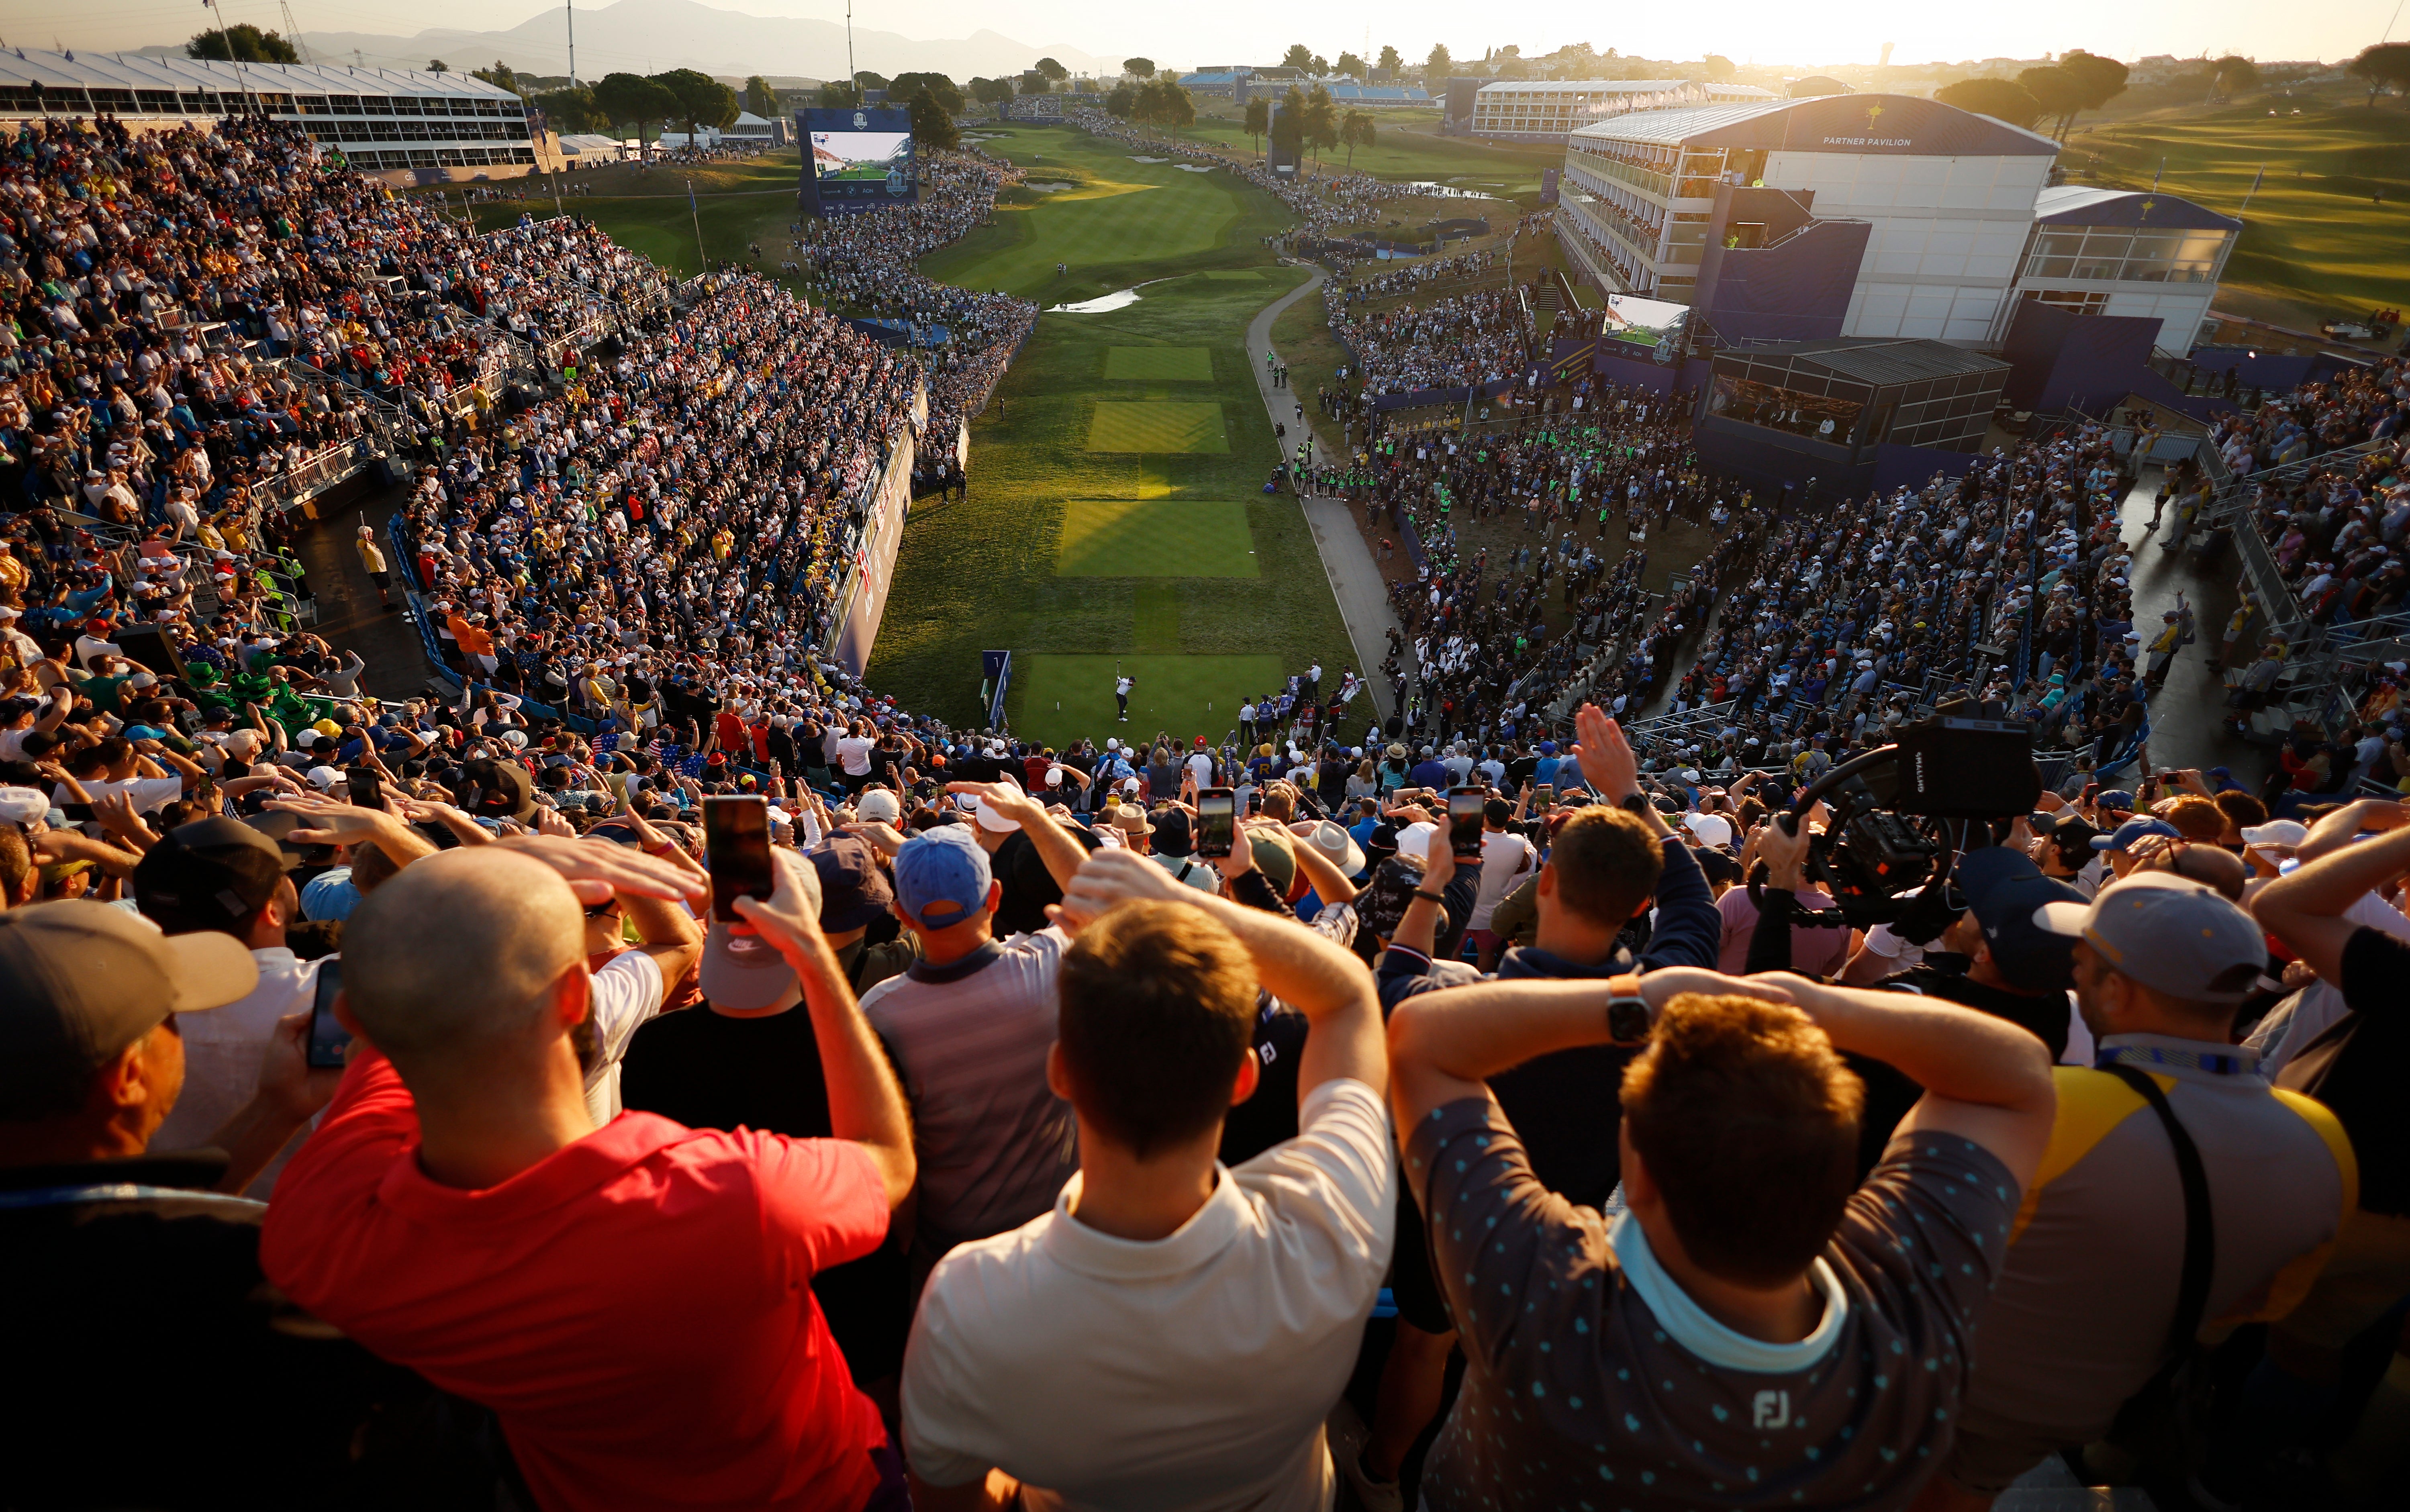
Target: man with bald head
{"points": [[633, 1301]]}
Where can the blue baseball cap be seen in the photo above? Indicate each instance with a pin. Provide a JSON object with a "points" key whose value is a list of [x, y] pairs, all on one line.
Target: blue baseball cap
{"points": [[2124, 836], [1547, 748], [2117, 798], [941, 877], [2007, 894]]}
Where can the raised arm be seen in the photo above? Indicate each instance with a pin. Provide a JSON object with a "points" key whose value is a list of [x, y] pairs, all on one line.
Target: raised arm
{"points": [[866, 1104], [1445, 1043], [1325, 983], [1984, 1078], [2306, 909], [1056, 846]]}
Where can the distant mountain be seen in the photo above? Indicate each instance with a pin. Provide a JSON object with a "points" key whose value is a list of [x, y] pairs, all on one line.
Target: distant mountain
{"points": [[647, 37]]}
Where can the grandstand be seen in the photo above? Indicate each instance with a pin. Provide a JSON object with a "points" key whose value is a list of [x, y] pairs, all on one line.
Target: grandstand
{"points": [[416, 126]]}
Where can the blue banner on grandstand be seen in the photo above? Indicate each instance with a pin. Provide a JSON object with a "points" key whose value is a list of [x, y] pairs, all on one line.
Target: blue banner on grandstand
{"points": [[901, 332], [857, 160], [996, 676], [1420, 396]]}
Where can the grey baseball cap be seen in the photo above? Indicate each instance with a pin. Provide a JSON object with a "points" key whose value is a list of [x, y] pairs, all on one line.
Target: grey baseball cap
{"points": [[81, 980], [743, 971], [2168, 933]]}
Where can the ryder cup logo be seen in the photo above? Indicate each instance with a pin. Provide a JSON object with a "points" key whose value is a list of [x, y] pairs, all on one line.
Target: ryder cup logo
{"points": [[861, 122]]}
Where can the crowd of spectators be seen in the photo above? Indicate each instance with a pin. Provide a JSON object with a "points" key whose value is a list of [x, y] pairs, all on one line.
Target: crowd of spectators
{"points": [[1161, 1159], [2337, 526], [1008, 1148], [1477, 337], [869, 263]]}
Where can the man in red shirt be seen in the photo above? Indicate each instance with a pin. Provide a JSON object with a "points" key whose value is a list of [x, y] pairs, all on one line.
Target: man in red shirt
{"points": [[634, 1301]]}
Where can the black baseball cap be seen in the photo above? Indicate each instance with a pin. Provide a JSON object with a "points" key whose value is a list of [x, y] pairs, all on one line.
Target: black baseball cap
{"points": [[212, 874], [854, 893], [2007, 894]]}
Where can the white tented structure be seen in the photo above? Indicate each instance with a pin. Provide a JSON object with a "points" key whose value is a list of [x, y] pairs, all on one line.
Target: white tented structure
{"points": [[380, 117]]}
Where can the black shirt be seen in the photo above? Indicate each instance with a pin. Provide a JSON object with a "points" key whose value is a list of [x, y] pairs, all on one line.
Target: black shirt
{"points": [[2355, 1067], [118, 1274], [709, 1070], [1028, 886], [1891, 1093]]}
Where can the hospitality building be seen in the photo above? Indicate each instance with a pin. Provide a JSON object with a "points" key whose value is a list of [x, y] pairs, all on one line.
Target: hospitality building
{"points": [[2126, 251], [1550, 110], [1948, 198]]}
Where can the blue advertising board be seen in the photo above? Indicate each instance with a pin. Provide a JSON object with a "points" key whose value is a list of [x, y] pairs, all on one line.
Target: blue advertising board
{"points": [[857, 160]]}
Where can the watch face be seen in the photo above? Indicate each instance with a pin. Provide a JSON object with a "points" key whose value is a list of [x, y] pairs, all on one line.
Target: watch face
{"points": [[1628, 1021]]}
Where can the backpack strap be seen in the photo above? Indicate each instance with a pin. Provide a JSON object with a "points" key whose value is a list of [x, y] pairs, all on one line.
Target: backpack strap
{"points": [[2200, 1234]]}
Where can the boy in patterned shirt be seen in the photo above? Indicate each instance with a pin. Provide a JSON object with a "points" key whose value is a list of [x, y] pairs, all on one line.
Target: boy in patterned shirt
{"points": [[1757, 1329]]}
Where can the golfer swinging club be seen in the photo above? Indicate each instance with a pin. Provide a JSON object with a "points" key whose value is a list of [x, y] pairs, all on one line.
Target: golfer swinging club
{"points": [[1121, 686]]}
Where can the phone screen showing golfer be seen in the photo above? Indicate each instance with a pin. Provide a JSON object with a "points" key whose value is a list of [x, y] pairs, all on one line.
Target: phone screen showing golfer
{"points": [[1217, 822], [736, 852], [1465, 819]]}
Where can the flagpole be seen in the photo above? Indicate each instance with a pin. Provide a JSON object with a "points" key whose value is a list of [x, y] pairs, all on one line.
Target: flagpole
{"points": [[2253, 190], [243, 82], [697, 214]]}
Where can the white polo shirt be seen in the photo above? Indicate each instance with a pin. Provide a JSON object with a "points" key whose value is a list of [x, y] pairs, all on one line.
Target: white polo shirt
{"points": [[1188, 1373]]}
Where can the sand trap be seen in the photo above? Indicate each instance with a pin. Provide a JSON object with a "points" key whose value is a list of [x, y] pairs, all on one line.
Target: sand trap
{"points": [[1191, 168], [1118, 299], [1135, 158], [1047, 188]]}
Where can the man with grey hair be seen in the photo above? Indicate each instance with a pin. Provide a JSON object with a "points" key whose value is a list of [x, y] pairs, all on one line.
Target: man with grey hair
{"points": [[635, 1300]]}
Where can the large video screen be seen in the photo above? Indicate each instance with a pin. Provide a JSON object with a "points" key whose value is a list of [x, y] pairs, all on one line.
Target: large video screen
{"points": [[857, 160]]}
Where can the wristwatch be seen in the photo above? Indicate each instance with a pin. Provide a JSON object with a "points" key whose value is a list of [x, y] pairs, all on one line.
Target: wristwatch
{"points": [[1628, 1017], [1635, 802]]}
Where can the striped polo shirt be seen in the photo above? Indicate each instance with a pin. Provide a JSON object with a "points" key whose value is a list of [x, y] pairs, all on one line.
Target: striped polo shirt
{"points": [[968, 1040]]}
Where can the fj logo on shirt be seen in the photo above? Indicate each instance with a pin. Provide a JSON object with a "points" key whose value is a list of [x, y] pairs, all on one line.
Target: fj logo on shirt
{"points": [[1773, 1409]]}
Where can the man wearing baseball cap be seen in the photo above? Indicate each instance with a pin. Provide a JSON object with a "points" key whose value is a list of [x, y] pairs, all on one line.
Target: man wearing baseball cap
{"points": [[2087, 1307], [968, 1028], [117, 1259]]}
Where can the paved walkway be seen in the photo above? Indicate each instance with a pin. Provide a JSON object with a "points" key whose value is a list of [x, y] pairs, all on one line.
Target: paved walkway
{"points": [[1355, 578]]}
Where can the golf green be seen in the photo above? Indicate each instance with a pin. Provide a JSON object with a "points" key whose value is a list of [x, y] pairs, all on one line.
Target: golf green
{"points": [[1159, 364], [1158, 426], [1155, 538], [1060, 695]]}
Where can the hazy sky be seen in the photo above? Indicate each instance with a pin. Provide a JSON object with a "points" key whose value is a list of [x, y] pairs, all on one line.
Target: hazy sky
{"points": [[1767, 31]]}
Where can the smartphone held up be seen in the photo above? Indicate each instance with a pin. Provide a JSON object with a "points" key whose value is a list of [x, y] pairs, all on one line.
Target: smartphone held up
{"points": [[736, 852]]}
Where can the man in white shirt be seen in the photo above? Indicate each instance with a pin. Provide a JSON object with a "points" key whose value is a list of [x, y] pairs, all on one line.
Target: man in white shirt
{"points": [[94, 642], [1124, 1350], [226, 876], [631, 983]]}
